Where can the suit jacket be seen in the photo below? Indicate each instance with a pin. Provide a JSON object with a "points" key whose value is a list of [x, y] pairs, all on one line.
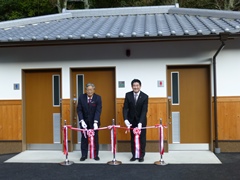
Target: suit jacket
{"points": [[89, 111], [138, 112]]}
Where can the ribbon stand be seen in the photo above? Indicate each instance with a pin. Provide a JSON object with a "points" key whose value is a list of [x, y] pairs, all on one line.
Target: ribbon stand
{"points": [[65, 145], [113, 143], [161, 147]]}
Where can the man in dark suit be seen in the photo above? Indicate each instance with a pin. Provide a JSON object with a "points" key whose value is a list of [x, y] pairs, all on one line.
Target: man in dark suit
{"points": [[89, 111], [135, 115]]}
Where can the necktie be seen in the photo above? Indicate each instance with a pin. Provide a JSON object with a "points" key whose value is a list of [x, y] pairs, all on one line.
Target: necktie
{"points": [[135, 98], [89, 100]]}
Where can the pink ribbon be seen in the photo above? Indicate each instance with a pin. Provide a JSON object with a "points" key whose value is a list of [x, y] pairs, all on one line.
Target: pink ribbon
{"points": [[91, 134], [161, 139], [113, 137], [137, 133], [65, 141]]}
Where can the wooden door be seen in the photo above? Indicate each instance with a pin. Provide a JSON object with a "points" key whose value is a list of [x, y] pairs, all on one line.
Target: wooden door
{"points": [[189, 105], [104, 81], [42, 103]]}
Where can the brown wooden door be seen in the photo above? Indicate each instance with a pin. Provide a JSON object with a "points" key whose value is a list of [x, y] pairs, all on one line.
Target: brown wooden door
{"points": [[39, 105], [104, 80], [189, 104]]}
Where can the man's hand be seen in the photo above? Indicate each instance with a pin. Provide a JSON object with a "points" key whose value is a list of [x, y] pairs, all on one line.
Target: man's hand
{"points": [[127, 123], [95, 126], [83, 124], [139, 125]]}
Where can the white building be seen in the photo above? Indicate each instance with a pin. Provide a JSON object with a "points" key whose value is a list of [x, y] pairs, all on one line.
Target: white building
{"points": [[45, 62]]}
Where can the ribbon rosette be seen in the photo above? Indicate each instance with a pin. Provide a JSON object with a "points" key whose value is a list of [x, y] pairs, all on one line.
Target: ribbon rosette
{"points": [[137, 133], [91, 134]]}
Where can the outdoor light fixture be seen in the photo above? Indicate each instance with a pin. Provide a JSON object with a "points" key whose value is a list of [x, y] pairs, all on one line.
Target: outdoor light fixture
{"points": [[128, 52]]}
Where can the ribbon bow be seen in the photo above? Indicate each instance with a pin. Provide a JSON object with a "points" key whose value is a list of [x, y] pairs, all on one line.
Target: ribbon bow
{"points": [[91, 134], [137, 133]]}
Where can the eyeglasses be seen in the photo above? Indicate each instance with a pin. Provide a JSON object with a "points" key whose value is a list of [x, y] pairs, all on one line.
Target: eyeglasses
{"points": [[89, 90]]}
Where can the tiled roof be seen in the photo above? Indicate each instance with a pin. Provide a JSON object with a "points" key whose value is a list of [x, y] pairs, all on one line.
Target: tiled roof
{"points": [[134, 22]]}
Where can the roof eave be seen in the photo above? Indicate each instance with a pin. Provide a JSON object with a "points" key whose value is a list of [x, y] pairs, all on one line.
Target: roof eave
{"points": [[120, 40]]}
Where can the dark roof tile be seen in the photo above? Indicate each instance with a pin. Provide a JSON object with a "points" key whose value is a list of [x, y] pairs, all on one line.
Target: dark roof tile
{"points": [[121, 23]]}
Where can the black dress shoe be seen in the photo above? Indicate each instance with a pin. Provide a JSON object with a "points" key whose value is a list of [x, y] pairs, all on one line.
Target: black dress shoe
{"points": [[141, 159], [133, 159], [83, 158], [97, 158]]}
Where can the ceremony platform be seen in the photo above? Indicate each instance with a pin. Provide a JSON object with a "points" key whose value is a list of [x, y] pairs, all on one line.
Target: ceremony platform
{"points": [[172, 157]]}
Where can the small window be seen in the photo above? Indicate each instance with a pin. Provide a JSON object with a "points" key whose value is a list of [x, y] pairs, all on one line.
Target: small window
{"points": [[175, 87], [80, 84], [56, 90]]}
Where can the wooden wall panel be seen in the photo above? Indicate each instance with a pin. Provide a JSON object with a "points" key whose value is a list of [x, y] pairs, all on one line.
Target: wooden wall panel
{"points": [[157, 108], [121, 134], [228, 118], [66, 115], [10, 120]]}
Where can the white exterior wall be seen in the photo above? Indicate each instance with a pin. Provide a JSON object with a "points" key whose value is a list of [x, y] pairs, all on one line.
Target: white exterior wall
{"points": [[228, 70], [147, 62]]}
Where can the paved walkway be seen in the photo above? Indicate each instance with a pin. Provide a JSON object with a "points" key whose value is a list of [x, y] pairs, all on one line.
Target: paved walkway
{"points": [[229, 169]]}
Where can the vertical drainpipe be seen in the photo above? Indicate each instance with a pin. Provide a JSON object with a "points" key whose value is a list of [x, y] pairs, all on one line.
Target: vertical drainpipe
{"points": [[223, 39]]}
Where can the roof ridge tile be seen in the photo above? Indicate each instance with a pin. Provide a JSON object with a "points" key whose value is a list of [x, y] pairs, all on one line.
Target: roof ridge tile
{"points": [[206, 12]]}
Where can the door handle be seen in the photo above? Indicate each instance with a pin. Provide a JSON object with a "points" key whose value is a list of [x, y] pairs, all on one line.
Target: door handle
{"points": [[74, 107]]}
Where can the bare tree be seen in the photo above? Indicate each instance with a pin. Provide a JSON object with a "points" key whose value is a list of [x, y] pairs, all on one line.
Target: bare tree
{"points": [[169, 2], [86, 4], [204, 4], [227, 4], [60, 4], [64, 5]]}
